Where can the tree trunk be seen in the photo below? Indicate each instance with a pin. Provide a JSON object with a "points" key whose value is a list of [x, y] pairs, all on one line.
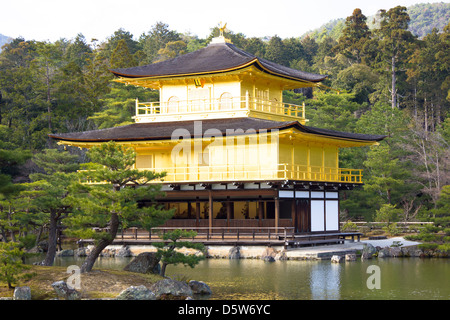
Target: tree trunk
{"points": [[394, 89], [51, 252], [163, 269], [102, 244]]}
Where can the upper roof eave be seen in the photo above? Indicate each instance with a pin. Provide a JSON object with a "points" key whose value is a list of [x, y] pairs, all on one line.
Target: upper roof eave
{"points": [[215, 58]]}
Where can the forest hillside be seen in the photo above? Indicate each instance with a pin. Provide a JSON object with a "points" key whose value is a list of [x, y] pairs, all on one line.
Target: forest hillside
{"points": [[385, 79]]}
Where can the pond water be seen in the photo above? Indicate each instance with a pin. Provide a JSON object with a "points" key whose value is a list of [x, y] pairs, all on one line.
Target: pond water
{"points": [[252, 279]]}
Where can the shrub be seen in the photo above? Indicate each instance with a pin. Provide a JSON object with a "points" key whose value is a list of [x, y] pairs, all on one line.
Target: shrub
{"points": [[11, 266]]}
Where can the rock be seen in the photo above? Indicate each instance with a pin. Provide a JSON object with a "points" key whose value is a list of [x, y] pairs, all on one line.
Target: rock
{"points": [[234, 253], [337, 258], [80, 252], [171, 289], [124, 252], [65, 253], [384, 253], [136, 293], [395, 252], [145, 262], [269, 254], [350, 257], [22, 293], [368, 251], [63, 291], [282, 256], [199, 287]]}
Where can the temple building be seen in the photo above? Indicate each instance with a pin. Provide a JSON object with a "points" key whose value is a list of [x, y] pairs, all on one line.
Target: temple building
{"points": [[236, 156]]}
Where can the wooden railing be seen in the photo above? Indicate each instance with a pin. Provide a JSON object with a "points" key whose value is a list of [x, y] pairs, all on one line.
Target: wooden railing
{"points": [[222, 104], [213, 233], [246, 172]]}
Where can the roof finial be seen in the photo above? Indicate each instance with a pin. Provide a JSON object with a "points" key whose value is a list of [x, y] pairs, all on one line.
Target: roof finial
{"points": [[222, 28], [221, 38]]}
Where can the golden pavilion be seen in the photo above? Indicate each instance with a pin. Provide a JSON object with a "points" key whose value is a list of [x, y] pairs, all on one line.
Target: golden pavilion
{"points": [[238, 159]]}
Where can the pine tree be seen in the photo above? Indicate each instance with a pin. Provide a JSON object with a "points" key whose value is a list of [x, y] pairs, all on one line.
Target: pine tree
{"points": [[395, 43], [52, 184], [354, 36], [111, 199], [167, 250]]}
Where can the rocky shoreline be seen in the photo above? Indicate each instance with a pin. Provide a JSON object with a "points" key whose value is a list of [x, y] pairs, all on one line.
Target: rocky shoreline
{"points": [[273, 253]]}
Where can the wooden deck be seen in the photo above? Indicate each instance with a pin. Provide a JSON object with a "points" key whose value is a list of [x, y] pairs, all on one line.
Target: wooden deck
{"points": [[268, 236]]}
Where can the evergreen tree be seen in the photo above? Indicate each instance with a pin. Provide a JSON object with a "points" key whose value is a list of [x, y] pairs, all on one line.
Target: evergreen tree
{"points": [[395, 43], [58, 172], [167, 250], [111, 198], [354, 36], [121, 56]]}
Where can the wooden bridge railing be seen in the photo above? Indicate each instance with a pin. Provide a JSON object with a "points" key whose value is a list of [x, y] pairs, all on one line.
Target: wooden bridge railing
{"points": [[213, 233]]}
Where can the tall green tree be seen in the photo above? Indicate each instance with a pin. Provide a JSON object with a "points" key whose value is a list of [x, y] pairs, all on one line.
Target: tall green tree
{"points": [[156, 39], [395, 43], [58, 172], [111, 199], [355, 35]]}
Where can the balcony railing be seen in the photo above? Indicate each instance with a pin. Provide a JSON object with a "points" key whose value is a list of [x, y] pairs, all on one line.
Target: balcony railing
{"points": [[259, 173], [216, 105], [254, 173]]}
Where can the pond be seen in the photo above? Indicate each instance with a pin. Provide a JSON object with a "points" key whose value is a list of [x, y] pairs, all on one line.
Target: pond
{"points": [[253, 279]]}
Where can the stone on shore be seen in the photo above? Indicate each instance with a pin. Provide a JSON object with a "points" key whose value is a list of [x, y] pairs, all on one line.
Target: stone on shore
{"points": [[234, 253], [368, 251], [337, 258], [136, 293], [22, 293], [63, 291], [171, 289], [145, 262], [124, 252], [199, 287], [350, 257]]}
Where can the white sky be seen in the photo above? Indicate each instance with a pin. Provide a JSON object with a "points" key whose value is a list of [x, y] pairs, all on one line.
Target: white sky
{"points": [[54, 19]]}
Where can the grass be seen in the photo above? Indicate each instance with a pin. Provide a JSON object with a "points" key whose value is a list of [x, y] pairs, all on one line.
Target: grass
{"points": [[96, 284]]}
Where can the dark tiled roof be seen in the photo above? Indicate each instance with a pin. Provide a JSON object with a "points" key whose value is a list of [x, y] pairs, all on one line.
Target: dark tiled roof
{"points": [[213, 58], [165, 130]]}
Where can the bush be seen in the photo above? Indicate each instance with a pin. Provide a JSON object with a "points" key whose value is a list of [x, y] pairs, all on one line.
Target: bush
{"points": [[392, 229], [349, 226], [11, 266]]}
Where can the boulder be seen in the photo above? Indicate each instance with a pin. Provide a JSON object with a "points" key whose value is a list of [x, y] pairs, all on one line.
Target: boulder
{"points": [[268, 259], [145, 262], [368, 251], [395, 252], [282, 256], [234, 253], [171, 289], [136, 293], [63, 291], [65, 253], [22, 293], [350, 257], [199, 287], [337, 258], [384, 253], [80, 252], [124, 252]]}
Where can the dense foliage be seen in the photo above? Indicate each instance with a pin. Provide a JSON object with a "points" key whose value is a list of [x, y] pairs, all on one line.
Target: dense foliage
{"points": [[390, 82]]}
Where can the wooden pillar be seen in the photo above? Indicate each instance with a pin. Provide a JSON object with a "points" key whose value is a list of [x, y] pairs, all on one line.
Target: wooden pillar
{"points": [[197, 212], [277, 213], [260, 212], [189, 209], [228, 211], [210, 218]]}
